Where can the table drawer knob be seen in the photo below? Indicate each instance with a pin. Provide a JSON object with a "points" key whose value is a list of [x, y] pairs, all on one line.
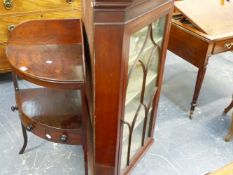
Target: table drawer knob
{"points": [[64, 138], [48, 136], [8, 4], [69, 1], [11, 27], [228, 45]]}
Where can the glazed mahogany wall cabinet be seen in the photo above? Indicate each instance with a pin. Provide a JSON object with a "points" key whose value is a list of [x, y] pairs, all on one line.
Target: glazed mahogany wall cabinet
{"points": [[127, 46]]}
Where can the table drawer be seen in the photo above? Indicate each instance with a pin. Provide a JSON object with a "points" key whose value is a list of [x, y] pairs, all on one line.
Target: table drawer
{"points": [[6, 22], [223, 46], [72, 136], [4, 64], [188, 46], [24, 6]]}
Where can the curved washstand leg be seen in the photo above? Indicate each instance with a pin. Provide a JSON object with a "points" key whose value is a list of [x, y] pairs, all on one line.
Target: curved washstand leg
{"points": [[14, 108], [25, 138], [228, 108]]}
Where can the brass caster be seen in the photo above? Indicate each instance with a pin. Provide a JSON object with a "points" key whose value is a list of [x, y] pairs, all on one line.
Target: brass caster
{"points": [[191, 115], [225, 111], [193, 106], [228, 137]]}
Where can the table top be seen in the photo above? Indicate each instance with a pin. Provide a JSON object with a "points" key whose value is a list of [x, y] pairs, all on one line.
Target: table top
{"points": [[47, 51], [226, 170], [48, 62], [213, 17]]}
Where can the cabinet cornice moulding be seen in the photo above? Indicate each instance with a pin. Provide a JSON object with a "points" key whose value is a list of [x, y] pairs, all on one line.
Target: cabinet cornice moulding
{"points": [[111, 4], [119, 15]]}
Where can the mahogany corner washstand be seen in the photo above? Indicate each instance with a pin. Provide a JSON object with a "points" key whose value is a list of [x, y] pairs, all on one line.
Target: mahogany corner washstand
{"points": [[50, 53]]}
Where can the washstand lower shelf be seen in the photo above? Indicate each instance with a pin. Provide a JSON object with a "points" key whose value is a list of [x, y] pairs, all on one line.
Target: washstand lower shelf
{"points": [[55, 115]]}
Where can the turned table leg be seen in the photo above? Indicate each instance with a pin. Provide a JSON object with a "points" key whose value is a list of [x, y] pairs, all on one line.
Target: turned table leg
{"points": [[229, 136], [199, 80], [228, 108]]}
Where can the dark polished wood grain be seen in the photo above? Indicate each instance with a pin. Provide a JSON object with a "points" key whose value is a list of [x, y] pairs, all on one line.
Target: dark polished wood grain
{"points": [[47, 51], [66, 31], [62, 110], [46, 62]]}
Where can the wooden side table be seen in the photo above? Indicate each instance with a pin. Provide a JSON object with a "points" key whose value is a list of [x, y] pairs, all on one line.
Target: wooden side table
{"points": [[50, 54], [195, 37]]}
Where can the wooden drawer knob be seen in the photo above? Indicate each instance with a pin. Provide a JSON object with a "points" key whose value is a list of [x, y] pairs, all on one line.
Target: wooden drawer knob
{"points": [[64, 138], [69, 1], [48, 136]]}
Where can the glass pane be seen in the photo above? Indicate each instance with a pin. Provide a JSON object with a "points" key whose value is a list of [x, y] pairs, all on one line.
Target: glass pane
{"points": [[158, 29], [130, 110], [135, 83], [136, 142], [144, 55], [151, 78], [137, 41]]}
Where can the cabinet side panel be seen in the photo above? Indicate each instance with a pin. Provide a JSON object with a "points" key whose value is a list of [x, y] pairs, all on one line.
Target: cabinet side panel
{"points": [[87, 16], [108, 59], [90, 147]]}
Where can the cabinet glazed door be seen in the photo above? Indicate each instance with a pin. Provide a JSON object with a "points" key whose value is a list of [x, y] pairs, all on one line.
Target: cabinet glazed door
{"points": [[143, 66]]}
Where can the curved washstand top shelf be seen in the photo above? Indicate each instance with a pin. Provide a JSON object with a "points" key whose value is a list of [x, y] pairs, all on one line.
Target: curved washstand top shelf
{"points": [[49, 53]]}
